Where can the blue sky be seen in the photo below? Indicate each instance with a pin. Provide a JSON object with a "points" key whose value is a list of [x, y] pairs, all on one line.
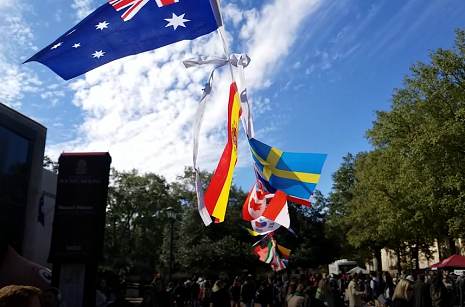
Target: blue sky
{"points": [[319, 71]]}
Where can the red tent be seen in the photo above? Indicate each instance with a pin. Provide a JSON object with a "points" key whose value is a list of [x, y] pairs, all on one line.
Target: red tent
{"points": [[454, 261]]}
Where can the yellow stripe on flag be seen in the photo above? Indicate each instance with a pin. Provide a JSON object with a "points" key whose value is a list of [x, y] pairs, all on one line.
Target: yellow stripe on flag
{"points": [[269, 168], [220, 208], [253, 233], [286, 253], [217, 195]]}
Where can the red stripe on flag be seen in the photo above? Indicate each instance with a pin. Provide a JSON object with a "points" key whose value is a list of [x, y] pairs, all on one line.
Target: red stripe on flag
{"points": [[129, 11], [121, 4], [275, 206], [166, 2], [245, 209], [218, 180], [219, 177], [299, 201]]}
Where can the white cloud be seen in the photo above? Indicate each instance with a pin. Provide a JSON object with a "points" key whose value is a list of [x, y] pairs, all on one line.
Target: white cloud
{"points": [[270, 34], [6, 3], [58, 15], [141, 108], [83, 8], [326, 66], [232, 13], [16, 36], [310, 69], [51, 94]]}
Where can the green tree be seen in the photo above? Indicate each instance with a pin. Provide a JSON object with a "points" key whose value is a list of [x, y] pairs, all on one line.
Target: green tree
{"points": [[339, 210], [136, 221], [218, 247], [50, 164], [381, 203], [426, 126]]}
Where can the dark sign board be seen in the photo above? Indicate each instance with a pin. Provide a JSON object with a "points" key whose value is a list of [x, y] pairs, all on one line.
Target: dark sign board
{"points": [[81, 198]]}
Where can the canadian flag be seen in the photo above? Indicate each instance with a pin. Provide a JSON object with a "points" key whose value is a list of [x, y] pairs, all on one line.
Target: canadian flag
{"points": [[263, 215], [255, 204], [277, 210]]}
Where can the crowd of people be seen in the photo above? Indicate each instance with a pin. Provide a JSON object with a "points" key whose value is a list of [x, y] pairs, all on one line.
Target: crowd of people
{"points": [[354, 290]]}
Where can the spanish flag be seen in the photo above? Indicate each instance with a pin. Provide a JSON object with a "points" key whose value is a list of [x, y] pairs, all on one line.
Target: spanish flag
{"points": [[217, 195]]}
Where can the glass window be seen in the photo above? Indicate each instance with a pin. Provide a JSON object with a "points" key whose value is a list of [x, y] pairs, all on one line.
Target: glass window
{"points": [[14, 170]]}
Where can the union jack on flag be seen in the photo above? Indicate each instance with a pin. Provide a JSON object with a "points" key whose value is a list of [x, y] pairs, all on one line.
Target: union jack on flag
{"points": [[134, 6], [120, 28], [165, 2]]}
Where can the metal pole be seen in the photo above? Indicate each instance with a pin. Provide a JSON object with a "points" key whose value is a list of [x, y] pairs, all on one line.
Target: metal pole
{"points": [[171, 250]]}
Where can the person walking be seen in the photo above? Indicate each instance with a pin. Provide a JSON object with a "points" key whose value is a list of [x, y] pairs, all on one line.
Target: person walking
{"points": [[355, 295], [421, 294]]}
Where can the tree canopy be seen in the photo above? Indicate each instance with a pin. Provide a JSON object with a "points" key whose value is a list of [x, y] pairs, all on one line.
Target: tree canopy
{"points": [[408, 191]]}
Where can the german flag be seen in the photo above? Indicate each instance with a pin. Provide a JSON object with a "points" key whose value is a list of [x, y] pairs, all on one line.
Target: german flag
{"points": [[217, 195]]}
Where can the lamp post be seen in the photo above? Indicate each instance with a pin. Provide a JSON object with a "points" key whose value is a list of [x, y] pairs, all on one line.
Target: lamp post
{"points": [[172, 217]]}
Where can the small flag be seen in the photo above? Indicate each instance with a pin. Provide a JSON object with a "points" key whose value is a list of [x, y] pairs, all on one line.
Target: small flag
{"points": [[255, 204], [261, 177], [253, 233], [120, 28], [261, 249], [285, 252], [41, 215], [271, 252], [262, 225], [277, 210], [295, 174], [217, 194]]}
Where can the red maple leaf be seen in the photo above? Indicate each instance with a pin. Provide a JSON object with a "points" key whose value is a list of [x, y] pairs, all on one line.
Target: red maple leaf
{"points": [[255, 206]]}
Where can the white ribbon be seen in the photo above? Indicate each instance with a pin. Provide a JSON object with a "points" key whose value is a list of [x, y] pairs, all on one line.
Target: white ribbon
{"points": [[240, 61]]}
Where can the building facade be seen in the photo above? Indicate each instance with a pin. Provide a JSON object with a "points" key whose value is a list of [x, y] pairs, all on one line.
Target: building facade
{"points": [[22, 145], [389, 259], [44, 231]]}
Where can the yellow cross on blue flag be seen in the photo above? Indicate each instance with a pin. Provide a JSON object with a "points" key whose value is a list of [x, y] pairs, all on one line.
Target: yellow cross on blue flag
{"points": [[296, 174]]}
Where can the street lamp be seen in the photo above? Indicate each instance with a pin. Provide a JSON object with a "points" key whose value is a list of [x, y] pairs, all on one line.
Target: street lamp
{"points": [[172, 217]]}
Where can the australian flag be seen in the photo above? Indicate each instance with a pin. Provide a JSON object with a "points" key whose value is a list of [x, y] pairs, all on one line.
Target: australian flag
{"points": [[41, 215], [121, 28]]}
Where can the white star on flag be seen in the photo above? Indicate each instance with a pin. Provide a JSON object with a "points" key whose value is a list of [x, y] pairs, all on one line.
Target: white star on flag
{"points": [[77, 45], [98, 54], [176, 21], [102, 25], [56, 46]]}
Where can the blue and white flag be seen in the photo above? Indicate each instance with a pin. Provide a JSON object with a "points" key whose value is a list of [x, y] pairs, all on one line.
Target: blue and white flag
{"points": [[121, 28]]}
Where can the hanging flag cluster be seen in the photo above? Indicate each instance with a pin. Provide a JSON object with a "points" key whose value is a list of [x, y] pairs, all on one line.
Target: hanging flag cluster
{"points": [[280, 176], [120, 28], [270, 252]]}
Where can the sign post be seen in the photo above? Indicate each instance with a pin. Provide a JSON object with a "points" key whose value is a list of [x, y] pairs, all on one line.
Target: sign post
{"points": [[79, 225]]}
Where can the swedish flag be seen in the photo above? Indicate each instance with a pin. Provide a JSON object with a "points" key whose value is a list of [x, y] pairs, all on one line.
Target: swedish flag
{"points": [[295, 174]]}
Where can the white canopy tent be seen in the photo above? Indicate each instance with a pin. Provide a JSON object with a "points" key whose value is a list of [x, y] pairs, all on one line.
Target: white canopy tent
{"points": [[358, 270]]}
